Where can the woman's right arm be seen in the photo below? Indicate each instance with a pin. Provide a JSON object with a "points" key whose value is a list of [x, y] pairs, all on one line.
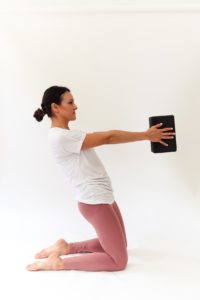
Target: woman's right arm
{"points": [[153, 134], [121, 136]]}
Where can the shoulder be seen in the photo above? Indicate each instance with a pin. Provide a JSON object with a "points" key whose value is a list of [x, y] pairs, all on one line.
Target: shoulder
{"points": [[60, 134]]}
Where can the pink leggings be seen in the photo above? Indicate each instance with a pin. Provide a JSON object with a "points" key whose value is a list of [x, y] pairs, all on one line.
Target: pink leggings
{"points": [[108, 252]]}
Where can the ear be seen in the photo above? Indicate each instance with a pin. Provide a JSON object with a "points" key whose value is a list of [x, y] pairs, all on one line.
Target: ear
{"points": [[54, 107]]}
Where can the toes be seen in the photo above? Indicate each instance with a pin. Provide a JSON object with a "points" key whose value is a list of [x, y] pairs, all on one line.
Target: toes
{"points": [[32, 267], [52, 263]]}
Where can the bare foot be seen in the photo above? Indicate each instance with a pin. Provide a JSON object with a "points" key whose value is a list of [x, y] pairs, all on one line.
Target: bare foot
{"points": [[53, 262], [61, 247]]}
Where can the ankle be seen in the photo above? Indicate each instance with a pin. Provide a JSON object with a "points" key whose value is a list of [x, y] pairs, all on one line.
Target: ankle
{"points": [[70, 248], [57, 262]]}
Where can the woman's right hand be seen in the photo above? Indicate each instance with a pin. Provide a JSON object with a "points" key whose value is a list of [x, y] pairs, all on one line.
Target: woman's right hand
{"points": [[155, 134]]}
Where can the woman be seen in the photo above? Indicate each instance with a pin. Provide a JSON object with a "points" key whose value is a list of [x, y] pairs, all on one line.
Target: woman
{"points": [[73, 151]]}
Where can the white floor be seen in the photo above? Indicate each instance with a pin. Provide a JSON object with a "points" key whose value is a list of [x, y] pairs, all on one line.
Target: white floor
{"points": [[150, 274]]}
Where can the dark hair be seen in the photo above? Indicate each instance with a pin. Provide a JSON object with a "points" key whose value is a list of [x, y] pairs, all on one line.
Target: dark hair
{"points": [[52, 95]]}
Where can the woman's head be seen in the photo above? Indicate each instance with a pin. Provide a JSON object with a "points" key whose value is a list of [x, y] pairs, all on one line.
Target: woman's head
{"points": [[57, 103]]}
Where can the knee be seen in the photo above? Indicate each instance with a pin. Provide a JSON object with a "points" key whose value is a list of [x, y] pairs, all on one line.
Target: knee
{"points": [[122, 262]]}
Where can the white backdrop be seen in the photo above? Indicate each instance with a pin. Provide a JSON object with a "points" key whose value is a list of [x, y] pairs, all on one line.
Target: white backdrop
{"points": [[121, 67]]}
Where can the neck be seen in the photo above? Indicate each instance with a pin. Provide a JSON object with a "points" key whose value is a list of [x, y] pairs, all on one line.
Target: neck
{"points": [[61, 124]]}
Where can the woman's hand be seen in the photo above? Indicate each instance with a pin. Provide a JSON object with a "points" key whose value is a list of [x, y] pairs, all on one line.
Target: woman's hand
{"points": [[155, 134]]}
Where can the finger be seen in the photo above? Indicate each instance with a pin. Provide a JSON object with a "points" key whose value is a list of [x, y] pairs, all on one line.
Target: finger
{"points": [[167, 137], [158, 125], [167, 128], [169, 133], [163, 143]]}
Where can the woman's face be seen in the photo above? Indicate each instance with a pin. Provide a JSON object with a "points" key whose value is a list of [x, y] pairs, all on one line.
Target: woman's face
{"points": [[67, 107]]}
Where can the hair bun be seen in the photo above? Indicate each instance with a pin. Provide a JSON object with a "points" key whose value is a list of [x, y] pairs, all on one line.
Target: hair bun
{"points": [[39, 114]]}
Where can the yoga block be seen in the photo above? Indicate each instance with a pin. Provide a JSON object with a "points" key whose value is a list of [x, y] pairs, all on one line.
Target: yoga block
{"points": [[168, 121]]}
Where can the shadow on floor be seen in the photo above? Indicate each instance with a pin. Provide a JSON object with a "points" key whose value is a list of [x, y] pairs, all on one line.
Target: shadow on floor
{"points": [[164, 263]]}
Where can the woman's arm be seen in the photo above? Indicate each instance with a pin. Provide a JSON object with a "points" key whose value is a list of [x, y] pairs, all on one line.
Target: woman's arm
{"points": [[153, 134], [121, 136], [99, 138]]}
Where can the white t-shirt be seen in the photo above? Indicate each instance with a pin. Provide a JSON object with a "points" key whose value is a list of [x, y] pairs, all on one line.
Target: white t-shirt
{"points": [[82, 168]]}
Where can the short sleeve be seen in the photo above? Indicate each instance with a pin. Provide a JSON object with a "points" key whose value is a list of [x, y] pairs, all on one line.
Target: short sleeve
{"points": [[72, 140]]}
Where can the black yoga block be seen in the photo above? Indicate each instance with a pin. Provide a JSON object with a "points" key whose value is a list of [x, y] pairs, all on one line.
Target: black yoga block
{"points": [[168, 121]]}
